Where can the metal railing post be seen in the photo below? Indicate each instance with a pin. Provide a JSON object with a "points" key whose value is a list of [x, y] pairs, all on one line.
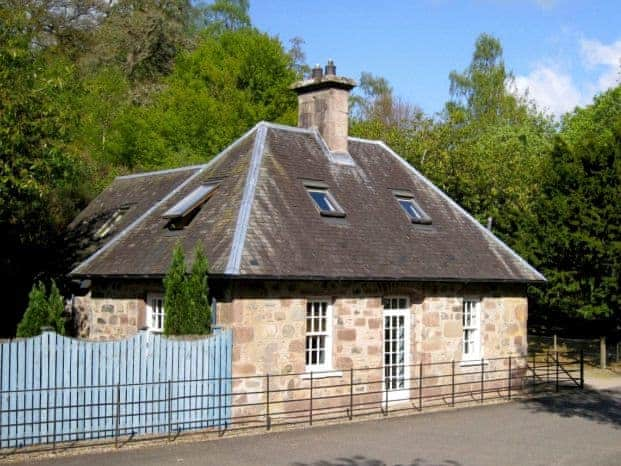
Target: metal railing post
{"points": [[453, 382], [581, 369], [547, 367], [420, 386], [54, 422], [510, 378], [351, 393], [310, 413], [220, 403], [482, 379], [267, 400], [558, 363], [117, 428], [169, 407], [385, 395], [1, 408], [534, 368]]}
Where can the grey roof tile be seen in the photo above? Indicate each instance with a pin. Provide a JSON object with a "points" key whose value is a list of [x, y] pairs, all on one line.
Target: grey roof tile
{"points": [[283, 235]]}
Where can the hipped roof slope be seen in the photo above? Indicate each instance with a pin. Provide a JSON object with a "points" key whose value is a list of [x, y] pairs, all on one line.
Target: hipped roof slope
{"points": [[260, 222]]}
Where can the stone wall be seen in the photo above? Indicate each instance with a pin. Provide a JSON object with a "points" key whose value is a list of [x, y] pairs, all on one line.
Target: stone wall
{"points": [[111, 310], [268, 322]]}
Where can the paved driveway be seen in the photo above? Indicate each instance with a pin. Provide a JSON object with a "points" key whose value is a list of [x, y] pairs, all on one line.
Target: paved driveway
{"points": [[576, 429]]}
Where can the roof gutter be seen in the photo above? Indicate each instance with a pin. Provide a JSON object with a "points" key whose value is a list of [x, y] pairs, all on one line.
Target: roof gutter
{"points": [[224, 276]]}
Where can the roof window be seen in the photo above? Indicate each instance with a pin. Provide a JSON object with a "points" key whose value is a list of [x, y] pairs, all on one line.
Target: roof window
{"points": [[324, 201], [411, 208], [183, 211], [113, 221]]}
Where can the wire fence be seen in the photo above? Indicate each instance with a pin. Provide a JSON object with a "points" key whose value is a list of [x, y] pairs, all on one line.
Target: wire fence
{"points": [[169, 408]]}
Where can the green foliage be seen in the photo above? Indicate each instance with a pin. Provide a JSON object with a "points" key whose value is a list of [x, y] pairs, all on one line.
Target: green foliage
{"points": [[216, 92], [142, 37], [43, 311], [576, 235], [228, 15], [186, 298], [486, 149]]}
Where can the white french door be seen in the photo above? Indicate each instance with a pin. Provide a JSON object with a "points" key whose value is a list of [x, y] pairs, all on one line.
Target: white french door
{"points": [[396, 348]]}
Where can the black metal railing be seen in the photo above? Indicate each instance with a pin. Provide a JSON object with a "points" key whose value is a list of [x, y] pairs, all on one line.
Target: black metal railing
{"points": [[168, 408]]}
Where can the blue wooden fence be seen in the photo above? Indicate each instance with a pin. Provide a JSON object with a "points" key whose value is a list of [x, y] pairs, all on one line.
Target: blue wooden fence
{"points": [[57, 389]]}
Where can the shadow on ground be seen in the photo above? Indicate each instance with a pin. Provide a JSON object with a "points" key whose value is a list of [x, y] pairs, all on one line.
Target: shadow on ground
{"points": [[602, 406], [360, 460]]}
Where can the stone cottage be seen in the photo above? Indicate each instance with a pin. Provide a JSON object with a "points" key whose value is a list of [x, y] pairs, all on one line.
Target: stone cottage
{"points": [[326, 252]]}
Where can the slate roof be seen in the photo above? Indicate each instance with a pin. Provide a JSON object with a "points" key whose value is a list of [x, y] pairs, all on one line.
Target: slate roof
{"points": [[260, 222]]}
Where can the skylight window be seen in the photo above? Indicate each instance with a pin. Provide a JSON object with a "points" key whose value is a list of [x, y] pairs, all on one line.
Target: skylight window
{"points": [[412, 209], [109, 224], [189, 203], [324, 202]]}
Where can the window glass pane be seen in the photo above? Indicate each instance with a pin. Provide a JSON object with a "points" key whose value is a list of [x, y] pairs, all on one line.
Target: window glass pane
{"points": [[322, 200], [402, 303], [408, 206]]}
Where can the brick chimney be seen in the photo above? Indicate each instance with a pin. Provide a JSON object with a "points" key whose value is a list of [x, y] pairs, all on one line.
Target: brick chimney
{"points": [[323, 103]]}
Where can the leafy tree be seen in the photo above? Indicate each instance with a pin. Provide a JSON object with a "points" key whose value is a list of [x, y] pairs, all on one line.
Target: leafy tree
{"points": [[143, 37], [39, 169], [186, 298], [575, 238], [227, 84], [228, 15], [43, 311], [487, 151]]}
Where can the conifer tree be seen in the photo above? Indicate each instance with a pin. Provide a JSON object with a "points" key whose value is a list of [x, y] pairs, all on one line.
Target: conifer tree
{"points": [[186, 298], [43, 311]]}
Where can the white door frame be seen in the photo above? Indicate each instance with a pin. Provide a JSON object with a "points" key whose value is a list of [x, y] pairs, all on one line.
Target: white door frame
{"points": [[399, 394]]}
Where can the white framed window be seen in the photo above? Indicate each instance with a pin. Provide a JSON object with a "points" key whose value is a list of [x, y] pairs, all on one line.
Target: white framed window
{"points": [[155, 312], [471, 321], [318, 335]]}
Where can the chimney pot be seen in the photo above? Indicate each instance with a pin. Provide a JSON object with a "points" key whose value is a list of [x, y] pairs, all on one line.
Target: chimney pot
{"points": [[317, 72], [330, 68]]}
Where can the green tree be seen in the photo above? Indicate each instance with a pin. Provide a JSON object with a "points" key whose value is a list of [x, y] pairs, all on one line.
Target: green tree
{"points": [[186, 298], [227, 15], [40, 171], [487, 151], [43, 311], [216, 92], [143, 38], [575, 237]]}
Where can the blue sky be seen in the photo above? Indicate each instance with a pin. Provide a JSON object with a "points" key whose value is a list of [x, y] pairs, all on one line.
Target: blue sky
{"points": [[563, 51]]}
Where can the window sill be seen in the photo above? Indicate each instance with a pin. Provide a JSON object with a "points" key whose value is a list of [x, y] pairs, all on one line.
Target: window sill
{"points": [[321, 374], [473, 362]]}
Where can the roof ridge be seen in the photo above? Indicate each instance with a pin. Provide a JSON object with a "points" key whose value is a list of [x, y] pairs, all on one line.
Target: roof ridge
{"points": [[160, 172], [245, 208], [295, 129], [369, 141], [148, 212], [461, 210]]}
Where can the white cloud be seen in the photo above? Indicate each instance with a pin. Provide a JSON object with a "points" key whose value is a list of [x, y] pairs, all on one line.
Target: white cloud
{"points": [[553, 90], [556, 90], [598, 55]]}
